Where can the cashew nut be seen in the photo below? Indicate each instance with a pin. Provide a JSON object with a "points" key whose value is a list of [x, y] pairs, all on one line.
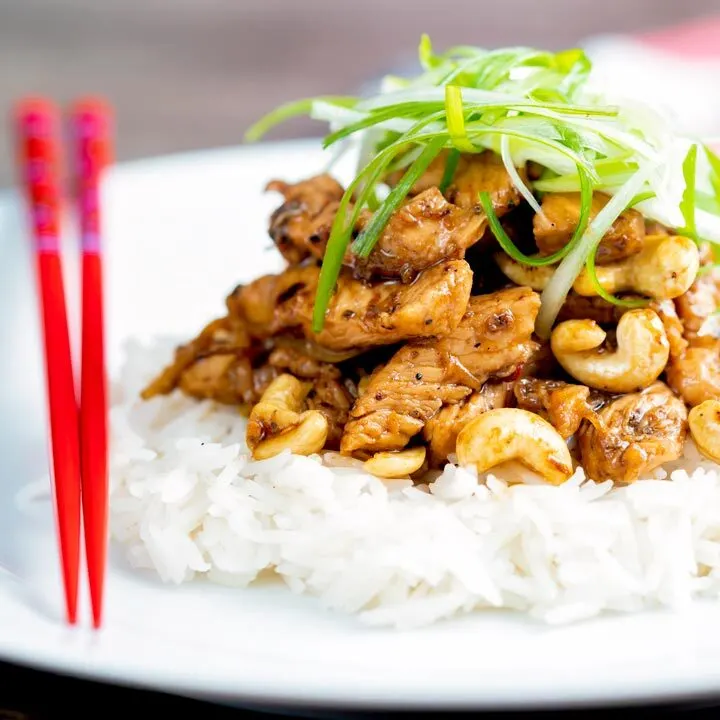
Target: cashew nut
{"points": [[577, 336], [286, 392], [530, 276], [396, 464], [664, 269], [304, 439], [642, 352], [505, 434], [704, 421], [276, 423]]}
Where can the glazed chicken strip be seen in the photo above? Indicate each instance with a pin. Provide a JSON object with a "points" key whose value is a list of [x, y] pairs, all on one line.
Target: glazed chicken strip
{"points": [[331, 393], [563, 404], [300, 227], [442, 429], [492, 341], [359, 314], [474, 173], [214, 365], [695, 376], [701, 300], [582, 307], [636, 433], [425, 231], [554, 227], [694, 368]]}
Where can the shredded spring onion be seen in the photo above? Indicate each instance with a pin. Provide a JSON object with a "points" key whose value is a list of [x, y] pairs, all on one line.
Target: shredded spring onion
{"points": [[554, 294], [525, 105], [687, 204], [453, 158]]}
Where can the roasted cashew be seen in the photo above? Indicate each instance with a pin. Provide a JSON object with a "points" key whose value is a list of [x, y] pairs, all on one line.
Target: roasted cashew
{"points": [[304, 439], [286, 392], [642, 352], [577, 336], [530, 276], [664, 269], [704, 421], [276, 423], [505, 434], [396, 464]]}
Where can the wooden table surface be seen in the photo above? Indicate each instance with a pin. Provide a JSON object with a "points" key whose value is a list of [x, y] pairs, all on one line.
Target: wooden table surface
{"points": [[191, 74]]}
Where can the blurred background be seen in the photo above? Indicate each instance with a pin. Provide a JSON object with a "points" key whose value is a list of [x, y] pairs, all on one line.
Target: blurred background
{"points": [[194, 74]]}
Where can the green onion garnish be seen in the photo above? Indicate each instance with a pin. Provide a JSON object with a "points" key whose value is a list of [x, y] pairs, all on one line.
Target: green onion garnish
{"points": [[525, 105], [456, 119], [687, 204], [366, 240], [290, 110], [449, 173], [600, 290]]}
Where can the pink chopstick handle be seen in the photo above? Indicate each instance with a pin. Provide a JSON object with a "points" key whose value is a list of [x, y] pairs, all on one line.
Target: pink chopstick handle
{"points": [[38, 148], [91, 124]]}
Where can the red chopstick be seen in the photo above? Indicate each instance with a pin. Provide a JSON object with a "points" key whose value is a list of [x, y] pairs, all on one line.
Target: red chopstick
{"points": [[90, 122], [38, 144]]}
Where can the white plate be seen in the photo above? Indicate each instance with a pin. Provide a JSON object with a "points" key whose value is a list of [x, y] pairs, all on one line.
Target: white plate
{"points": [[181, 232]]}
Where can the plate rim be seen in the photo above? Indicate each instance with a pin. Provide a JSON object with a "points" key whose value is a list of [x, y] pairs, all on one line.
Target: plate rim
{"points": [[705, 685]]}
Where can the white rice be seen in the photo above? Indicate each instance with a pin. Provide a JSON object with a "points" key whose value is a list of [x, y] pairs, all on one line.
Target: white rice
{"points": [[187, 502]]}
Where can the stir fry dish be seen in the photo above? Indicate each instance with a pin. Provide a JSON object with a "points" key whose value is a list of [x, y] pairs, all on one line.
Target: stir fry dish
{"points": [[522, 269]]}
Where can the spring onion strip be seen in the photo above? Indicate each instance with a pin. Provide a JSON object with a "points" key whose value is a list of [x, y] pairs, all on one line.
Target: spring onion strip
{"points": [[554, 294], [687, 204], [714, 162], [342, 230], [290, 110], [641, 197], [366, 240], [526, 105], [533, 260], [449, 173], [515, 175], [600, 290], [456, 119]]}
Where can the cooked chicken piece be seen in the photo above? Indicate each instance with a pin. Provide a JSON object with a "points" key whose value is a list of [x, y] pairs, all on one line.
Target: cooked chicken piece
{"points": [[431, 178], [293, 360], [636, 434], [265, 304], [492, 341], [300, 227], [674, 330], [554, 227], [564, 405], [474, 173], [698, 303], [359, 314], [695, 375], [331, 393], [484, 172], [423, 232], [694, 367], [652, 227], [442, 430], [220, 350], [333, 398], [581, 307], [540, 361]]}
